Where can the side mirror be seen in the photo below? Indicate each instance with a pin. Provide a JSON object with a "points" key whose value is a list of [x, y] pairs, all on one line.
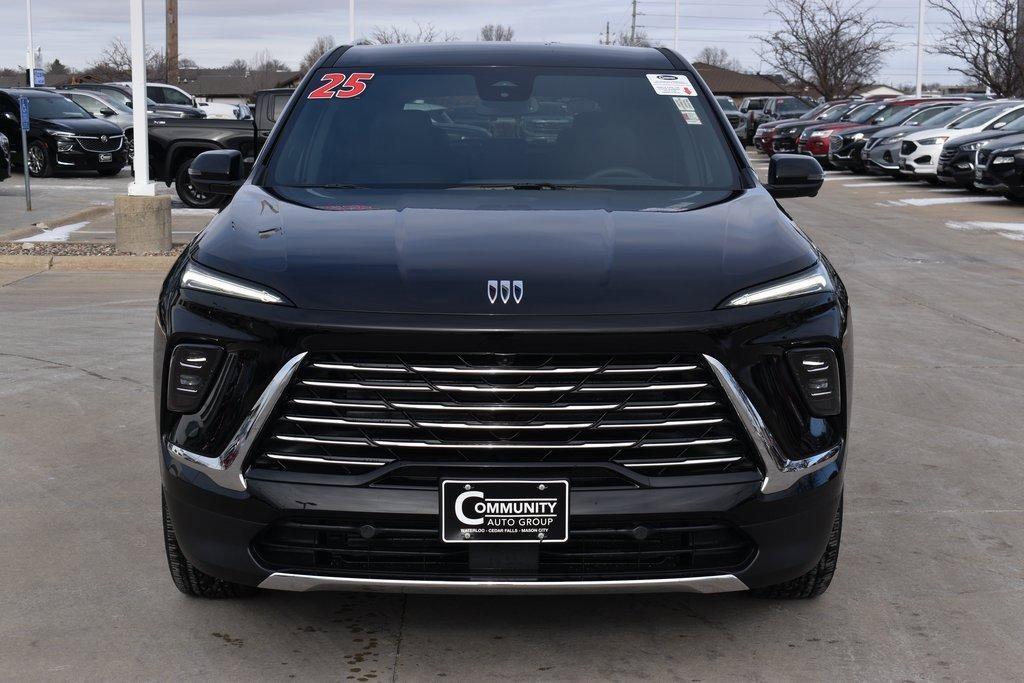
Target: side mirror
{"points": [[12, 116], [794, 175], [108, 112], [217, 172], [998, 124]]}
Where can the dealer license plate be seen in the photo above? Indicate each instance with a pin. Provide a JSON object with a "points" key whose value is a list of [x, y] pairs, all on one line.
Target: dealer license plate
{"points": [[106, 158], [504, 511]]}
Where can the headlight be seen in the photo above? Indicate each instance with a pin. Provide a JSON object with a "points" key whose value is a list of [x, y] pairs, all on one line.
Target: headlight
{"points": [[5, 145], [60, 133], [815, 279], [1002, 159], [933, 141], [65, 145], [857, 136], [203, 280], [821, 133], [971, 146], [892, 138]]}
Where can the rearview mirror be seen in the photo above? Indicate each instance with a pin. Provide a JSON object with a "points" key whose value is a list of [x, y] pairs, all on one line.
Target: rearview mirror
{"points": [[794, 175], [217, 172], [108, 112]]}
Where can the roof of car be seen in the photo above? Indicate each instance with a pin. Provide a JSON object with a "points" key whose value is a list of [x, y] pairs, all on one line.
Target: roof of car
{"points": [[30, 92], [504, 54]]}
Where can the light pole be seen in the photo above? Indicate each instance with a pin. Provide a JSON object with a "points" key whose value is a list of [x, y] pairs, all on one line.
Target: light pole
{"points": [[351, 22], [141, 186], [30, 56], [920, 43], [675, 32]]}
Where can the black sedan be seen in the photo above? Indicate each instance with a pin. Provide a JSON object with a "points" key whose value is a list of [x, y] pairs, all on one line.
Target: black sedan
{"points": [[956, 163], [62, 136], [5, 157], [999, 165]]}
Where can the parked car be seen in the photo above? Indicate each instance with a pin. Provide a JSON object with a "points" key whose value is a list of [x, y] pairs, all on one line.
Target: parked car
{"points": [[736, 119], [220, 110], [62, 136], [783, 136], [1000, 167], [784, 107], [174, 143], [5, 157], [751, 108], [765, 134], [105, 108], [956, 164], [814, 139], [846, 147], [919, 152], [122, 94], [882, 150], [398, 361]]}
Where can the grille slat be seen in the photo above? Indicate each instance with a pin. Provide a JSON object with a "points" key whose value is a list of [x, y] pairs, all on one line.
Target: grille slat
{"points": [[515, 408]]}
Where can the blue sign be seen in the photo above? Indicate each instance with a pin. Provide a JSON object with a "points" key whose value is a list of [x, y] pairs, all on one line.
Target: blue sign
{"points": [[38, 77], [23, 104]]}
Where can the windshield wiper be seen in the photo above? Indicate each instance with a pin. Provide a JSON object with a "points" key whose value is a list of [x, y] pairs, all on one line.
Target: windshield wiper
{"points": [[517, 186]]}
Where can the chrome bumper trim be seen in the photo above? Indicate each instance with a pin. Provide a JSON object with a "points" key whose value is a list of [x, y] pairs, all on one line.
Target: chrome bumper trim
{"points": [[722, 583], [781, 472], [226, 469]]}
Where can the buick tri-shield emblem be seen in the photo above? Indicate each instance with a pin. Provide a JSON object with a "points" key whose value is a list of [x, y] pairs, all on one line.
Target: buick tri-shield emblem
{"points": [[104, 138], [504, 290]]}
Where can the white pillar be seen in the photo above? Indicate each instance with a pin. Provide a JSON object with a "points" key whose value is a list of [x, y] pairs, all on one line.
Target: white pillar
{"points": [[141, 186], [30, 54], [351, 22], [920, 44], [675, 31]]}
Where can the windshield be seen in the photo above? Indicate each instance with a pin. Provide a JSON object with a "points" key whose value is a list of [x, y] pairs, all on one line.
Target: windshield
{"points": [[864, 113], [792, 105], [954, 114], [980, 118], [56, 107], [508, 127], [919, 116], [726, 103]]}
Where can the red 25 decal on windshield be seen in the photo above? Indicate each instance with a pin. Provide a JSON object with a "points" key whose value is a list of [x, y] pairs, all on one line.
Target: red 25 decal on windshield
{"points": [[337, 85]]}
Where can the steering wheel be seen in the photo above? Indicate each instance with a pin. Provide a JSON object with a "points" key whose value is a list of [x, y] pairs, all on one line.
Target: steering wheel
{"points": [[619, 172]]}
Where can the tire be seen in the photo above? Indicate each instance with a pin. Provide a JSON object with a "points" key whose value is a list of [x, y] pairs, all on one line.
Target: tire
{"points": [[39, 164], [190, 580], [931, 180], [815, 582], [1016, 197], [189, 195]]}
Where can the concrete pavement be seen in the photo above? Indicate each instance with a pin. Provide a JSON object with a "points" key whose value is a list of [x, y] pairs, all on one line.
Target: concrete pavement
{"points": [[930, 583]]}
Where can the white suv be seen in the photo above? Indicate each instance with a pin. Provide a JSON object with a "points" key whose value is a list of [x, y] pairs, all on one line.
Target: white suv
{"points": [[919, 151]]}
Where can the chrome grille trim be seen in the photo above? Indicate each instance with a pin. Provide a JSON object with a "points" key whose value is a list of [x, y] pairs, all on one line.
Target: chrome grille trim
{"points": [[678, 463], [368, 462], [367, 385], [475, 407], [645, 387], [663, 423], [503, 445], [506, 427], [347, 422], [339, 404], [360, 368], [686, 442], [536, 389], [323, 440], [662, 368], [503, 371], [670, 406]]}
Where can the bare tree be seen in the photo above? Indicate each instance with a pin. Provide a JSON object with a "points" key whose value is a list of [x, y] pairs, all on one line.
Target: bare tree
{"points": [[638, 39], [828, 45], [716, 56], [987, 36], [321, 45], [424, 33], [496, 33], [114, 63], [238, 65], [264, 70]]}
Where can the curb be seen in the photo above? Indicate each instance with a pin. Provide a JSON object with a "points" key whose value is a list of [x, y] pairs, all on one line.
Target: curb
{"points": [[131, 264], [76, 217]]}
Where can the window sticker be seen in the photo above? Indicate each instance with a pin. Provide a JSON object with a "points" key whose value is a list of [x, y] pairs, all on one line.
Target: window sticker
{"points": [[672, 84], [683, 103], [340, 86], [692, 118]]}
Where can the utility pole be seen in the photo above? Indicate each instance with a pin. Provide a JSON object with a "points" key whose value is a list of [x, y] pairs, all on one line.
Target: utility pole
{"points": [[30, 54], [171, 74], [920, 44], [632, 25], [607, 33]]}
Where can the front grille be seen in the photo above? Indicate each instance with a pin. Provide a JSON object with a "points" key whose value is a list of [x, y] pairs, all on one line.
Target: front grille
{"points": [[836, 143], [983, 155], [95, 144], [734, 119], [947, 154], [870, 144], [657, 414], [412, 549], [907, 147]]}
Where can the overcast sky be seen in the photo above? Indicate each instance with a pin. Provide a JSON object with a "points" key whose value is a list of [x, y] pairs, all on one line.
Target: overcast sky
{"points": [[213, 32]]}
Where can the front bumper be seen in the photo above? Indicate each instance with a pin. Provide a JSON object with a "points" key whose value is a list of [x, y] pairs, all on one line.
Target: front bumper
{"points": [[81, 160], [921, 162], [219, 508]]}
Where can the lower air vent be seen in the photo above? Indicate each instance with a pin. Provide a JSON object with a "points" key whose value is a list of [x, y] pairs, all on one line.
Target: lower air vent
{"points": [[412, 549]]}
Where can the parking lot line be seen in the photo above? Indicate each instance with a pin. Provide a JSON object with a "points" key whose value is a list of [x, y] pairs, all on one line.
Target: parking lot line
{"points": [[932, 201], [1013, 231]]}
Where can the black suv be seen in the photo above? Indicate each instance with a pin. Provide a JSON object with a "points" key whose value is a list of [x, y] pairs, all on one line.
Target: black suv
{"points": [[62, 136], [598, 360]]}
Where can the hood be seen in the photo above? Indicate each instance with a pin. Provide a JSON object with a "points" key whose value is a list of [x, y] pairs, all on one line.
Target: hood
{"points": [[781, 122], [81, 126], [986, 135], [950, 133], [834, 125], [578, 252]]}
